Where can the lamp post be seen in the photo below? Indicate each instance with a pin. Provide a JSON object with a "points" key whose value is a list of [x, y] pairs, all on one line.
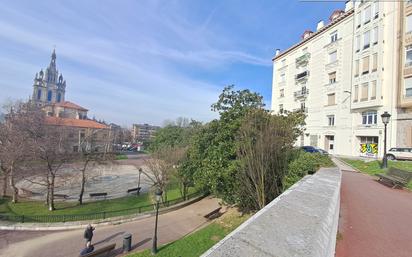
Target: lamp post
{"points": [[138, 182], [385, 120], [158, 195]]}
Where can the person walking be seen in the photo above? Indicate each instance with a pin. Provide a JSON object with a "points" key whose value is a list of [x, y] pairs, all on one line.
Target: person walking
{"points": [[88, 234], [89, 248]]}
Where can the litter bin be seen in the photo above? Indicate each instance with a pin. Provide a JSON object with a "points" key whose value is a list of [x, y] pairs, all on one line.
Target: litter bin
{"points": [[127, 243]]}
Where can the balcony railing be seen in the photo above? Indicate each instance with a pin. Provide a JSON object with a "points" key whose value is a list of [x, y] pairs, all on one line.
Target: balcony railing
{"points": [[304, 110], [301, 93], [302, 60], [302, 75]]}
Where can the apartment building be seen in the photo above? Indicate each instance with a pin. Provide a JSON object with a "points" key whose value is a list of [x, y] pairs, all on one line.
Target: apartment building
{"points": [[143, 132], [345, 75]]}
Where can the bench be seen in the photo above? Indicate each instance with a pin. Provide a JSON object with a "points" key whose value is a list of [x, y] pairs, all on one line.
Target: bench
{"points": [[213, 214], [104, 251], [396, 177], [137, 189], [98, 195], [61, 196]]}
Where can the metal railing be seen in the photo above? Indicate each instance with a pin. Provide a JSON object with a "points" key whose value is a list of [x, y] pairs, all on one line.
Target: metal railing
{"points": [[302, 75], [301, 93], [95, 215]]}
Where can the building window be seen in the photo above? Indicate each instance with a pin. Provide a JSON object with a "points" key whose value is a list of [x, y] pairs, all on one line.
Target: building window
{"points": [[282, 93], [283, 62], [408, 87], [373, 90], [409, 23], [364, 92], [332, 77], [280, 108], [376, 9], [332, 56], [369, 118], [367, 15], [49, 95], [375, 35], [374, 62], [408, 61], [331, 120], [331, 99], [358, 43], [303, 106], [59, 97], [334, 36], [365, 65], [358, 20], [356, 68], [38, 94], [282, 77], [356, 94], [366, 39]]}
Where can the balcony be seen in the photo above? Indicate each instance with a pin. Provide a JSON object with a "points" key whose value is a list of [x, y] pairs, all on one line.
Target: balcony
{"points": [[301, 93], [407, 71], [408, 38], [302, 60], [408, 9], [304, 110], [302, 76]]}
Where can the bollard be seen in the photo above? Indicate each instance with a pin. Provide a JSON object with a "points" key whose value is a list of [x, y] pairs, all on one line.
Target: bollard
{"points": [[127, 243]]}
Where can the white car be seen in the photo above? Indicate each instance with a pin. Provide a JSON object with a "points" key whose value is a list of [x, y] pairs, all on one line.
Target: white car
{"points": [[399, 153]]}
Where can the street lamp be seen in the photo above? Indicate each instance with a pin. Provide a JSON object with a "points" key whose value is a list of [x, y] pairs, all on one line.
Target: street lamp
{"points": [[385, 120], [158, 195], [138, 182]]}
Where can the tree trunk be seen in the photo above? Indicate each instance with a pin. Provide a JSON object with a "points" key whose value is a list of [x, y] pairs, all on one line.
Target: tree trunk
{"points": [[82, 187], [48, 190], [51, 194], [12, 184], [5, 183]]}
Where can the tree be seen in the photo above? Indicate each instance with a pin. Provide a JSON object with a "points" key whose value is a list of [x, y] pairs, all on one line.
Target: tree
{"points": [[20, 130], [264, 143], [212, 153], [53, 150]]}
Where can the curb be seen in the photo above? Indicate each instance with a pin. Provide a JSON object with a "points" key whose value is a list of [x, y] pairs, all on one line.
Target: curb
{"points": [[80, 224], [342, 161]]}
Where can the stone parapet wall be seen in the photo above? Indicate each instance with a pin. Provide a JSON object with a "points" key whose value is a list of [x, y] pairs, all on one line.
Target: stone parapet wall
{"points": [[303, 222]]}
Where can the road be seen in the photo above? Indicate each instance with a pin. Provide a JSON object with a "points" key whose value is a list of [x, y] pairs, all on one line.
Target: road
{"points": [[172, 226], [375, 220]]}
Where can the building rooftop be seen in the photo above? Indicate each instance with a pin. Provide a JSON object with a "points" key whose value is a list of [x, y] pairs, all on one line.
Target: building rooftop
{"points": [[57, 121], [70, 105]]}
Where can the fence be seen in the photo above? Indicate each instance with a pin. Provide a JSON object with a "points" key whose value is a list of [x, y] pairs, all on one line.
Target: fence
{"points": [[93, 216]]}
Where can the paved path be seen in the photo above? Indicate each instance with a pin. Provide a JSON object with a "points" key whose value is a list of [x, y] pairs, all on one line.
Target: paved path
{"points": [[375, 220], [172, 226]]}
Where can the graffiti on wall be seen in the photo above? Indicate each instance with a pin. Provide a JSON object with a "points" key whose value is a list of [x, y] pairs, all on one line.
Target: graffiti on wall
{"points": [[369, 149]]}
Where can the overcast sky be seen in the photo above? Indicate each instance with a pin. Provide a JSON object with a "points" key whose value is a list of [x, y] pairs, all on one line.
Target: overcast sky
{"points": [[147, 61]]}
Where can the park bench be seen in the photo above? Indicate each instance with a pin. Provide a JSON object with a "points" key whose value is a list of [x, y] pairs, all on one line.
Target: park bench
{"points": [[61, 196], [137, 189], [396, 177], [98, 195], [104, 251], [213, 214]]}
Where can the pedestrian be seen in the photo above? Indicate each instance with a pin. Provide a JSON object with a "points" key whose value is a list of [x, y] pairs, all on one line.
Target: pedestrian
{"points": [[88, 234], [89, 248]]}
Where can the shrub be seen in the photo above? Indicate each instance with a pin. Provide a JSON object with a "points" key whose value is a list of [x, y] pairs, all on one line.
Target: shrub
{"points": [[304, 164]]}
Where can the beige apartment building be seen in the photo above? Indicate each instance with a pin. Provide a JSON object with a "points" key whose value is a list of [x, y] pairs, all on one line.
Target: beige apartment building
{"points": [[346, 74]]}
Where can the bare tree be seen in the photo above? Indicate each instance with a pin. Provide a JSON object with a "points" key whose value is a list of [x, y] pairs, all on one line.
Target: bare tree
{"points": [[264, 144], [53, 151], [18, 135]]}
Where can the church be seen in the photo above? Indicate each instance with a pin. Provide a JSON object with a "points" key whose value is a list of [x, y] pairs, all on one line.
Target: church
{"points": [[49, 90]]}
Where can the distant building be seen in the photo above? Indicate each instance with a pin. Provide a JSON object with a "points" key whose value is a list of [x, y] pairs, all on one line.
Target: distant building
{"points": [[143, 132], [84, 134]]}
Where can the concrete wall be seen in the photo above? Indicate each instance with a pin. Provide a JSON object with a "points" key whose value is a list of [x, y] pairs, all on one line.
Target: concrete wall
{"points": [[303, 222]]}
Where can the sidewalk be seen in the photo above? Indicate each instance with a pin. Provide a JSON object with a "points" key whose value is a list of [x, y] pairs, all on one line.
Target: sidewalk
{"points": [[375, 220], [172, 226]]}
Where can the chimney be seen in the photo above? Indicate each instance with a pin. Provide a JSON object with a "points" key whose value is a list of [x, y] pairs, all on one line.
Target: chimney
{"points": [[277, 52], [348, 5], [321, 24]]}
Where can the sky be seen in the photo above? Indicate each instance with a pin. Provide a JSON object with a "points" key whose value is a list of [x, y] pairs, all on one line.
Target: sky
{"points": [[147, 61]]}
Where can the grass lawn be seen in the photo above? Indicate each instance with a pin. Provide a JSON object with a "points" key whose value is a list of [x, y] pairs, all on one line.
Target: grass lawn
{"points": [[121, 157], [373, 167], [120, 205], [200, 241]]}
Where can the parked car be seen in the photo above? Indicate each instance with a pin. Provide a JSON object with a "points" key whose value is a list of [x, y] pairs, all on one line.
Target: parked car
{"points": [[399, 153], [312, 149]]}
